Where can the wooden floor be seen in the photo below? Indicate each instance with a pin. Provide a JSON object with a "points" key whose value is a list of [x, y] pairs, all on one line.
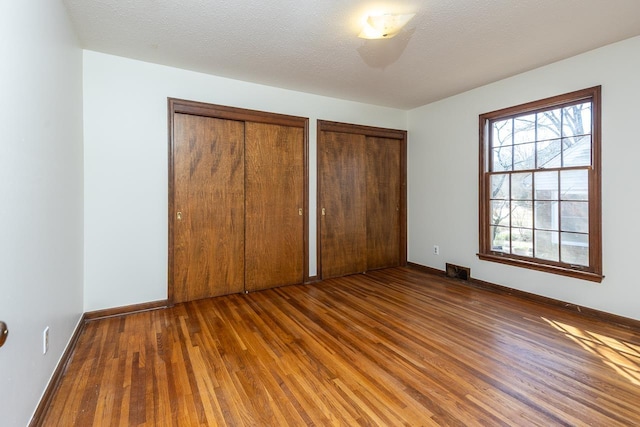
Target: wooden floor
{"points": [[392, 347]]}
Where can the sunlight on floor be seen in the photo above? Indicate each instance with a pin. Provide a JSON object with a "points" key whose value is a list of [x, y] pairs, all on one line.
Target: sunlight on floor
{"points": [[623, 357]]}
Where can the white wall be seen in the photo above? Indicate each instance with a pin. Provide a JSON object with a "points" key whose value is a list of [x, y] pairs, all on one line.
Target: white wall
{"points": [[41, 197], [126, 187], [443, 177], [125, 113]]}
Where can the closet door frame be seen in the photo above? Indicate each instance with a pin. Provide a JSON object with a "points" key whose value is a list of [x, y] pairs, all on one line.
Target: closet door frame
{"points": [[368, 131], [181, 106]]}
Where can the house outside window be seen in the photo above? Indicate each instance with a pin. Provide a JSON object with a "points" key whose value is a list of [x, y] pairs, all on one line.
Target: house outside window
{"points": [[540, 202]]}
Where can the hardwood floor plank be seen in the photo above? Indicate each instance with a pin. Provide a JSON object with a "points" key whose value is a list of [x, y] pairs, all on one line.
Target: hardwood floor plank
{"points": [[390, 347]]}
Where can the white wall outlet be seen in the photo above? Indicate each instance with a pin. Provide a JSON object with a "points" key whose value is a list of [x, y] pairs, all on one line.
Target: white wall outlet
{"points": [[45, 340], [436, 250]]}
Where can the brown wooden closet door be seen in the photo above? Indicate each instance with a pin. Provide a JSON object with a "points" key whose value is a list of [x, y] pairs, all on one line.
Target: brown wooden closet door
{"points": [[208, 257], [274, 180], [342, 199], [383, 203]]}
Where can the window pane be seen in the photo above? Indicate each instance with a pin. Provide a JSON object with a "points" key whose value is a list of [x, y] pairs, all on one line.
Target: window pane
{"points": [[546, 184], [500, 186], [574, 216], [524, 129], [502, 133], [576, 151], [522, 241], [546, 215], [501, 158], [574, 185], [549, 154], [500, 239], [524, 156], [522, 214], [521, 186], [576, 119], [549, 124], [547, 245], [500, 212], [574, 248]]}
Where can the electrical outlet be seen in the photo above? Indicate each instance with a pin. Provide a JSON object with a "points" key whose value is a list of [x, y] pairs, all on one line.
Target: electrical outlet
{"points": [[436, 250], [45, 340]]}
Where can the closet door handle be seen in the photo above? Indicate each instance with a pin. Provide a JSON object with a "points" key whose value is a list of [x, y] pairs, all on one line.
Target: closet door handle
{"points": [[4, 332], [179, 216], [324, 212], [300, 211]]}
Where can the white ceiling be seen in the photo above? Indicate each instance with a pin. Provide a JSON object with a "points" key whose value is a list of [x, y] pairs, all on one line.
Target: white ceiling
{"points": [[312, 46]]}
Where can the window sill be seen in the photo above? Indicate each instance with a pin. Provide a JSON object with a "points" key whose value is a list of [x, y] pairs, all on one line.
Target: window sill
{"points": [[532, 265]]}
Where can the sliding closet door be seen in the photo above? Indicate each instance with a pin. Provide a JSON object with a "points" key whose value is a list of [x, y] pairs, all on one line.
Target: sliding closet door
{"points": [[238, 185], [208, 192], [275, 187], [342, 198], [383, 203], [361, 197]]}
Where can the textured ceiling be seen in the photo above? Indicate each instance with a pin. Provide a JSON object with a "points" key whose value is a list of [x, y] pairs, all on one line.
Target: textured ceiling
{"points": [[312, 46]]}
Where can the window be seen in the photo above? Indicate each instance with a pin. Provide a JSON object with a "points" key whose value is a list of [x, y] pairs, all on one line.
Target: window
{"points": [[540, 185]]}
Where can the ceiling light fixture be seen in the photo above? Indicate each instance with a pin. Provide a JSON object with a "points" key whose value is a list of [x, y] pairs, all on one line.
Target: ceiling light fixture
{"points": [[384, 26]]}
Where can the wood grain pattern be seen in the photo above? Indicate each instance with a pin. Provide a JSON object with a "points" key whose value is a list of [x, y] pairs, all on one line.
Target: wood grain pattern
{"points": [[378, 132], [390, 347], [342, 194], [362, 204], [204, 109], [208, 252], [127, 309], [383, 203], [274, 190]]}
